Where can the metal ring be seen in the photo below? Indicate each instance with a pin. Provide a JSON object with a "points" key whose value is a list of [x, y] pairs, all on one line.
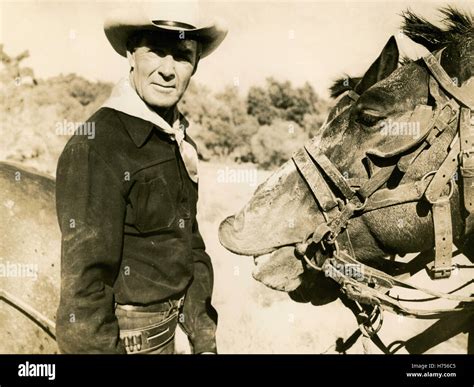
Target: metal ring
{"points": [[378, 313], [311, 264], [451, 187], [367, 329], [336, 251], [427, 175], [330, 239], [362, 206]]}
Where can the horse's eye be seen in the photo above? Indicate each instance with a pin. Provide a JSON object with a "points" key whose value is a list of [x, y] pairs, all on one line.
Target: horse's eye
{"points": [[368, 118]]}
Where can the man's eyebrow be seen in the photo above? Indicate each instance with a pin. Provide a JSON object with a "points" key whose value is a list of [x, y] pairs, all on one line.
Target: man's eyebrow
{"points": [[170, 47], [185, 50]]}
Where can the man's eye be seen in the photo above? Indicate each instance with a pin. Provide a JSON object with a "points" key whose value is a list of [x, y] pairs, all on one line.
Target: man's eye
{"points": [[367, 118], [182, 57]]}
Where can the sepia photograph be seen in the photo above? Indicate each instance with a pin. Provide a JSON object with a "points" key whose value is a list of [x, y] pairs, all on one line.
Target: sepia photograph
{"points": [[237, 177]]}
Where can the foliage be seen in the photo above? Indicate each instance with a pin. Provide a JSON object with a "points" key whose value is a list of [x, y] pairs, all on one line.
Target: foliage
{"points": [[254, 128], [265, 126], [275, 143], [30, 110]]}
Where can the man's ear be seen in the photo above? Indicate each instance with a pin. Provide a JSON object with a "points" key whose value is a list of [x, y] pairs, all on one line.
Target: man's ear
{"points": [[383, 66], [131, 59]]}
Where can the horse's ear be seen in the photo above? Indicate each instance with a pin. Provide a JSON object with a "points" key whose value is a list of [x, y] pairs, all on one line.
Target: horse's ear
{"points": [[383, 66]]}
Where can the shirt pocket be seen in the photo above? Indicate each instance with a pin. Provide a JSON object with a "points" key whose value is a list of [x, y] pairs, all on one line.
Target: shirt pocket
{"points": [[157, 199]]}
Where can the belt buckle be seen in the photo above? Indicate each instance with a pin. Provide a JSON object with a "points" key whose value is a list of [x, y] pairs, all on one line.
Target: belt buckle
{"points": [[439, 272]]}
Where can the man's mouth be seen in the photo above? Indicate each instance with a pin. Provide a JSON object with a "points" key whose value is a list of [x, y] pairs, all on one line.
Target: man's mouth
{"points": [[164, 87]]}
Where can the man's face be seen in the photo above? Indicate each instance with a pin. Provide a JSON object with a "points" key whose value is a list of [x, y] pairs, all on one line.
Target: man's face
{"points": [[162, 68]]}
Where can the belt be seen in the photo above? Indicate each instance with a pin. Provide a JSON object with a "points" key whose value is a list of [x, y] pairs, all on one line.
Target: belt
{"points": [[149, 338], [158, 307], [143, 340]]}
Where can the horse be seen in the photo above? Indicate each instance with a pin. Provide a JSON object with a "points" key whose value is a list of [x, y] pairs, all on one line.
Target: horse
{"points": [[30, 243], [29, 261], [389, 174]]}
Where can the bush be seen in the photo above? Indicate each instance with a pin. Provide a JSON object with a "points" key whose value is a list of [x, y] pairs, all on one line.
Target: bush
{"points": [[274, 144], [220, 121], [256, 128], [30, 109], [265, 126]]}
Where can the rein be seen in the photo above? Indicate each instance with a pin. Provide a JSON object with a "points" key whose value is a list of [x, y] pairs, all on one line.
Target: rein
{"points": [[341, 199]]}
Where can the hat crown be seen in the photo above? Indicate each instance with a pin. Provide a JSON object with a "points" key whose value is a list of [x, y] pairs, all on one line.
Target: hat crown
{"points": [[173, 14], [179, 12], [166, 16]]}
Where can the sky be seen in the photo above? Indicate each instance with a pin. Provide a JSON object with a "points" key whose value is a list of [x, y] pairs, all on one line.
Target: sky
{"points": [[300, 41]]}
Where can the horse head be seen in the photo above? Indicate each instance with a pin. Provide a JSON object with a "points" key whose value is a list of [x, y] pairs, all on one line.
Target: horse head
{"points": [[380, 131]]}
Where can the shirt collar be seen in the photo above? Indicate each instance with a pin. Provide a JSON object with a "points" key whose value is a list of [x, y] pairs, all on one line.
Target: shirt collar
{"points": [[125, 99]]}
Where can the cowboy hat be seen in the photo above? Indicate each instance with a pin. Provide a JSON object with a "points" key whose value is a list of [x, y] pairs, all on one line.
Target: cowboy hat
{"points": [[178, 17]]}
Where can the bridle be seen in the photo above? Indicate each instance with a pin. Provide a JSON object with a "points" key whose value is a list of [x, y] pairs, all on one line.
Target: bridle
{"points": [[341, 199]]}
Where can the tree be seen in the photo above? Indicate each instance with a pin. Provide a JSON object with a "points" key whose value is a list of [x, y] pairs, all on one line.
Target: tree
{"points": [[259, 105], [31, 111], [224, 126], [280, 100], [273, 145]]}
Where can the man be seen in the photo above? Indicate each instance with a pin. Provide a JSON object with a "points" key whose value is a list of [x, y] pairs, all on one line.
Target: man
{"points": [[133, 261]]}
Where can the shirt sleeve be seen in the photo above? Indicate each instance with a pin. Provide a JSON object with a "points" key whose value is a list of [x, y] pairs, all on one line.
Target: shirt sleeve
{"points": [[91, 209], [200, 317]]}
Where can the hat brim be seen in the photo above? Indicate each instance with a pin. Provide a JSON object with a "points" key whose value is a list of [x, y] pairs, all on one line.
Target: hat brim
{"points": [[210, 36]]}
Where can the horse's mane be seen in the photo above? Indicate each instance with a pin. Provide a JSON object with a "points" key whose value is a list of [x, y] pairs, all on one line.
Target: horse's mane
{"points": [[458, 24], [343, 84]]}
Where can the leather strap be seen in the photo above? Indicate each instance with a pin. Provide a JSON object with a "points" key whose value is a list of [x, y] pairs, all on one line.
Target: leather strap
{"points": [[436, 92], [443, 230], [376, 181], [422, 115], [339, 223], [315, 180], [143, 340], [438, 122], [461, 94], [444, 174], [466, 133], [403, 193], [331, 172], [373, 287]]}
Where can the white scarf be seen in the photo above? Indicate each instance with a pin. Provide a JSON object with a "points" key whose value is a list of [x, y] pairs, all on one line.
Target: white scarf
{"points": [[125, 99]]}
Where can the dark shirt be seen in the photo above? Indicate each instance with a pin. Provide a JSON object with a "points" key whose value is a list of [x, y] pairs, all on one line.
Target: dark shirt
{"points": [[127, 212]]}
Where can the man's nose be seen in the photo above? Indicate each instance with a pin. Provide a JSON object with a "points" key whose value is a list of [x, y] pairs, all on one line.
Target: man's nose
{"points": [[166, 68]]}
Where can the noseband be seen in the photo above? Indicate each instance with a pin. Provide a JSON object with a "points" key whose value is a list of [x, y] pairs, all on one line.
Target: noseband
{"points": [[341, 199]]}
